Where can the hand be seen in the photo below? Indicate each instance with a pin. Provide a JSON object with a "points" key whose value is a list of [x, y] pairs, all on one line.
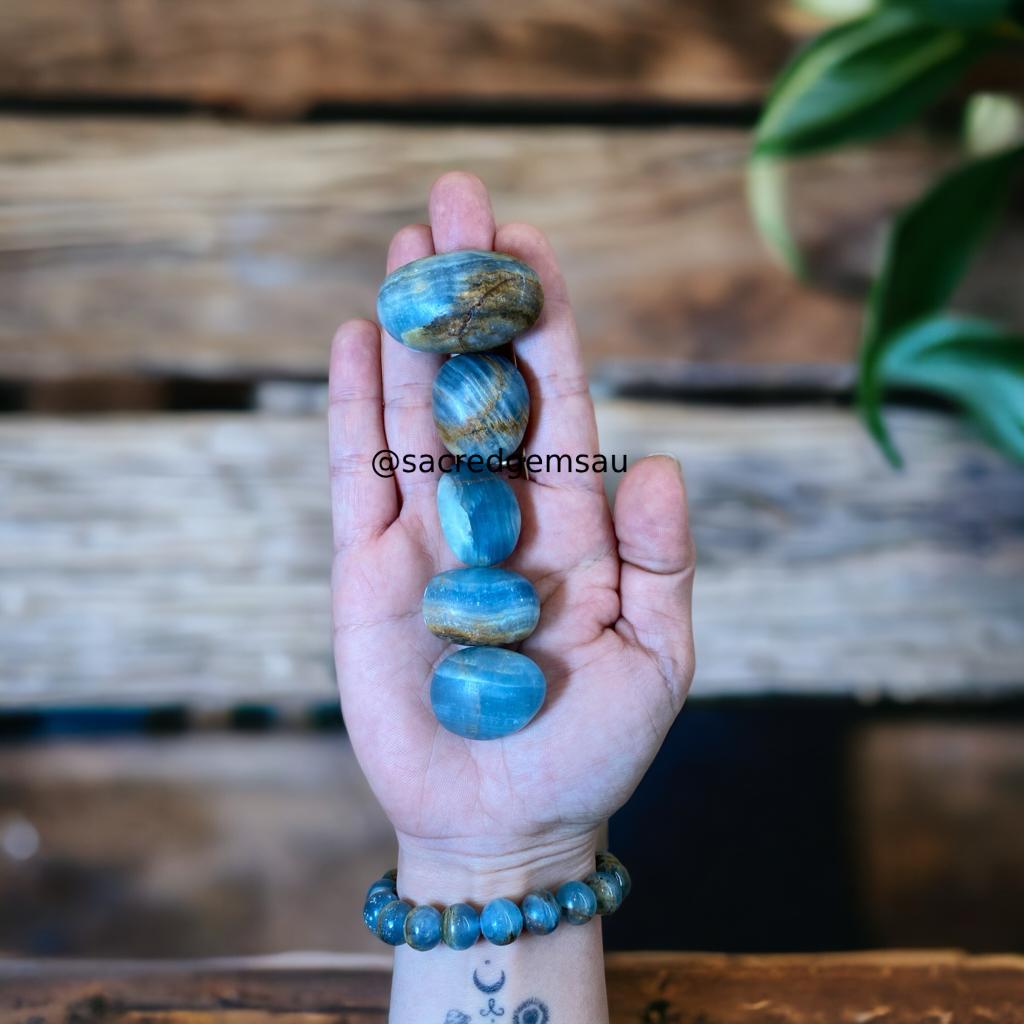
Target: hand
{"points": [[614, 639]]}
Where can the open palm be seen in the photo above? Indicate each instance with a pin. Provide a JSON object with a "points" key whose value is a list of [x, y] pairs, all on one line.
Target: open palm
{"points": [[614, 638]]}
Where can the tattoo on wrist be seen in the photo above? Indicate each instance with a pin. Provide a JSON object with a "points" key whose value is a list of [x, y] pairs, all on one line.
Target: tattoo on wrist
{"points": [[489, 984]]}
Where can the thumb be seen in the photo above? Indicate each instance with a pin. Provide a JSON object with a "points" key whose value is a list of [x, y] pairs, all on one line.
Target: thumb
{"points": [[657, 555]]}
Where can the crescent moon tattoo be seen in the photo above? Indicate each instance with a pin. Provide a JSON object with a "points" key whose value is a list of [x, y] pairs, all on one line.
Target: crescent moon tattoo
{"points": [[495, 986]]}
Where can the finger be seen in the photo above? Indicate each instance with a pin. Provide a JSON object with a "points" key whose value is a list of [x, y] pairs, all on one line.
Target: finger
{"points": [[460, 218], [409, 377], [460, 213], [657, 555], [561, 411], [362, 503]]}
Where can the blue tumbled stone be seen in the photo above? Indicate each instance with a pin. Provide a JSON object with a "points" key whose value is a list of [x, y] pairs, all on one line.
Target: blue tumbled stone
{"points": [[481, 607], [609, 862], [607, 891], [375, 903], [501, 921], [540, 912], [466, 301], [481, 406], [423, 928], [479, 515], [483, 693], [383, 884], [460, 926], [391, 922], [578, 902]]}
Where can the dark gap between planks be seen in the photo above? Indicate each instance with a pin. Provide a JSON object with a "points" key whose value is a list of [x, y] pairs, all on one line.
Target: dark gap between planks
{"points": [[611, 113], [41, 723], [732, 385]]}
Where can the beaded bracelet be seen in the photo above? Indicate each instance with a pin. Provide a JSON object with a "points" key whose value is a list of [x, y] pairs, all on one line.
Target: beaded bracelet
{"points": [[397, 921]]}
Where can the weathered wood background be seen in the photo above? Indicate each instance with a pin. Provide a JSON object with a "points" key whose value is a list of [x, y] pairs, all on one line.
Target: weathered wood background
{"points": [[263, 57], [192, 195], [163, 559]]}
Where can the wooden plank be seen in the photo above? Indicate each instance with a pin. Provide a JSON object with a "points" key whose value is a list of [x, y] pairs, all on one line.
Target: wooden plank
{"points": [[194, 845], [160, 559], [937, 830], [258, 55], [901, 988], [231, 250]]}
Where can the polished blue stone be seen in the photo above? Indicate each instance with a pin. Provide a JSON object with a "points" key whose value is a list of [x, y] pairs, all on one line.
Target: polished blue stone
{"points": [[460, 926], [609, 862], [383, 884], [391, 922], [501, 922], [466, 301], [483, 693], [540, 912], [375, 903], [578, 902], [481, 406], [479, 515], [607, 891], [481, 607], [423, 928]]}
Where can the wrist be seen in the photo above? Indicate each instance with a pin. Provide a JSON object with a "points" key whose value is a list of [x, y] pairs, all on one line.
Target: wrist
{"points": [[479, 870]]}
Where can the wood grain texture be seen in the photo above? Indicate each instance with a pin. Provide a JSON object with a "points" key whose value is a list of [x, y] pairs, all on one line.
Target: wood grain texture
{"points": [[157, 559], [900, 988], [229, 250], [264, 57]]}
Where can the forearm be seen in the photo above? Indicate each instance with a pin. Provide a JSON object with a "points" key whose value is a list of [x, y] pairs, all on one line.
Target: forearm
{"points": [[537, 979]]}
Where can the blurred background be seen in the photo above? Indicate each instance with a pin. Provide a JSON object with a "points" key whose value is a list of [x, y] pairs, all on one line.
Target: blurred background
{"points": [[194, 194]]}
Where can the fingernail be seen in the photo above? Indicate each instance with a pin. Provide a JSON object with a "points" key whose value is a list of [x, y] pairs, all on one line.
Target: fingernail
{"points": [[664, 455]]}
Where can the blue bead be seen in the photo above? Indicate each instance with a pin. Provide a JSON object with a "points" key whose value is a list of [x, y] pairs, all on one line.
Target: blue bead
{"points": [[460, 926], [479, 515], [483, 693], [607, 891], [375, 903], [423, 928], [578, 902], [501, 922], [481, 406], [481, 607], [391, 922], [540, 912], [465, 301], [383, 884], [609, 862]]}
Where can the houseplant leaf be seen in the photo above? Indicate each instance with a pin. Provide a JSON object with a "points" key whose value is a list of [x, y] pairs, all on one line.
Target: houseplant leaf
{"points": [[838, 10], [769, 207], [969, 13], [993, 122], [929, 248], [975, 364], [862, 79]]}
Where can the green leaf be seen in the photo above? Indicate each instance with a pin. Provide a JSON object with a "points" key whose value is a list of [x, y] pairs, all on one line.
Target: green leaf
{"points": [[930, 247], [862, 79], [768, 202], [993, 122], [838, 10], [965, 13], [976, 364]]}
